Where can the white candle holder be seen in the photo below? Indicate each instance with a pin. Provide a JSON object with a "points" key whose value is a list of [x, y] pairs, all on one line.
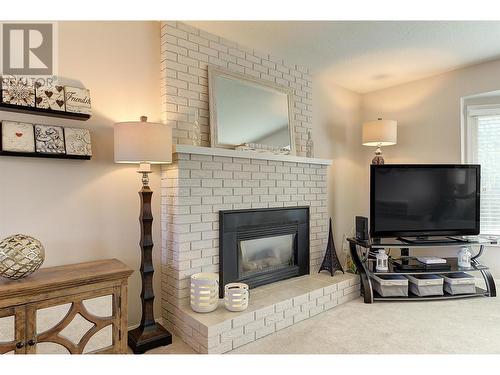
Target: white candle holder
{"points": [[204, 292], [382, 261], [236, 296]]}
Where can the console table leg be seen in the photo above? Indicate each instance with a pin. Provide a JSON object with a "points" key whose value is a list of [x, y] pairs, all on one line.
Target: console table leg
{"points": [[365, 279]]}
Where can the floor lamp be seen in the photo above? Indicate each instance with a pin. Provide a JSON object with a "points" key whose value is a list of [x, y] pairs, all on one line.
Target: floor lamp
{"points": [[145, 143]]}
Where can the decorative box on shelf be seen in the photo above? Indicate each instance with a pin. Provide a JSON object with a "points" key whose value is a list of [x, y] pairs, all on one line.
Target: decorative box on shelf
{"points": [[48, 98], [77, 100], [18, 91], [77, 142], [47, 141], [40, 97], [17, 137]]}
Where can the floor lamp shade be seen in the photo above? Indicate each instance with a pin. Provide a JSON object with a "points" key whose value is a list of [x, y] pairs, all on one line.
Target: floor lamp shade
{"points": [[380, 133], [143, 142]]}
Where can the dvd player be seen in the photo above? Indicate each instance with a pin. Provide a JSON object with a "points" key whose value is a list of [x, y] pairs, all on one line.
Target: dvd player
{"points": [[412, 264]]}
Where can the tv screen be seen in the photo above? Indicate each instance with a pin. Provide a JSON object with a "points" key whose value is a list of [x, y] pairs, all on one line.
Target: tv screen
{"points": [[424, 200]]}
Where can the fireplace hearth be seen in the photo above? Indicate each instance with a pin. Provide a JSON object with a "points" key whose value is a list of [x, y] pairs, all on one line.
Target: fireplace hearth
{"points": [[261, 246]]}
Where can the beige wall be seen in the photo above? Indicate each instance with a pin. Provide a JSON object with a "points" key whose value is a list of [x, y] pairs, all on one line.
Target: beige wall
{"points": [[336, 135], [87, 210], [428, 112], [428, 115]]}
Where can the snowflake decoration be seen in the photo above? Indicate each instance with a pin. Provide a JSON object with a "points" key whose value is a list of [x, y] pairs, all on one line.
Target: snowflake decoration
{"points": [[18, 92]]}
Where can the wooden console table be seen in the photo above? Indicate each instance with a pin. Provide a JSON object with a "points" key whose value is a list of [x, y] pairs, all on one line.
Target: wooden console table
{"points": [[74, 286], [362, 253]]}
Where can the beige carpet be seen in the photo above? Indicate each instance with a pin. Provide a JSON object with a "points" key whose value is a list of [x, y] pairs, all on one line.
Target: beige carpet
{"points": [[453, 326]]}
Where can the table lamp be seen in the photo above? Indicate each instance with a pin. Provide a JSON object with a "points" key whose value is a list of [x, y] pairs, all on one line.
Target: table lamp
{"points": [[145, 143], [380, 133]]}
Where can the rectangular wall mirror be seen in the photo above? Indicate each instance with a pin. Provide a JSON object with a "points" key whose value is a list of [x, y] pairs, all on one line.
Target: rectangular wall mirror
{"points": [[244, 110]]}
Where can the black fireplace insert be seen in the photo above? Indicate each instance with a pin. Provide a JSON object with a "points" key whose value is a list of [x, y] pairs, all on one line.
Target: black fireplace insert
{"points": [[261, 246]]}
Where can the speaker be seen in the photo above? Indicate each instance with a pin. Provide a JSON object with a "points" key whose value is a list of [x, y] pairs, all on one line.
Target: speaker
{"points": [[361, 228]]}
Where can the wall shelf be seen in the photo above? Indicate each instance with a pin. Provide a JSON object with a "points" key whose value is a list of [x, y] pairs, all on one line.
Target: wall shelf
{"points": [[43, 112], [46, 156], [215, 151]]}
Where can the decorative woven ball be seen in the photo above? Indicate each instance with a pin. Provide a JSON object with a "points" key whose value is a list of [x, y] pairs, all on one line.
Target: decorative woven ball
{"points": [[20, 256]]}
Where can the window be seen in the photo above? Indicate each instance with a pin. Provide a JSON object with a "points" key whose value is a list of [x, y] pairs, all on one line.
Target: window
{"points": [[483, 147]]}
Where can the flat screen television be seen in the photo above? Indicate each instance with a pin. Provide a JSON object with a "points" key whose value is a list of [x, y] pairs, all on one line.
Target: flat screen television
{"points": [[424, 200]]}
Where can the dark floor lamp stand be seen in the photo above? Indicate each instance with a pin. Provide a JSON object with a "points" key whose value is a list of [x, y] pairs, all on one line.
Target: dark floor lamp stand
{"points": [[149, 334]]}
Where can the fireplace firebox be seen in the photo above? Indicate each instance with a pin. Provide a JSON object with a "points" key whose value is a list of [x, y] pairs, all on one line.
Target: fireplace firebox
{"points": [[261, 246]]}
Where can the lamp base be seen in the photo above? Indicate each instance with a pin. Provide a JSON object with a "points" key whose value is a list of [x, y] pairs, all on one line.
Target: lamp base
{"points": [[146, 338], [149, 334], [378, 160]]}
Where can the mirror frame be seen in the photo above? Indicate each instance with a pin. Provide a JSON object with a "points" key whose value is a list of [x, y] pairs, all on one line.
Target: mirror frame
{"points": [[215, 71]]}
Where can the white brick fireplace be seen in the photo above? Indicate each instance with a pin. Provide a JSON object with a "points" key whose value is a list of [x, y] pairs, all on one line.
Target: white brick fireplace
{"points": [[198, 185], [195, 187], [203, 181]]}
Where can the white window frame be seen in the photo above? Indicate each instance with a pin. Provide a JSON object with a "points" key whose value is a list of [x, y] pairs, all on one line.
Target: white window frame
{"points": [[469, 154], [470, 130]]}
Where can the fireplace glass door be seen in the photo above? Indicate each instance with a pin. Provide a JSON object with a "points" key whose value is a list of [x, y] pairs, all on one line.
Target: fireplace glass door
{"points": [[262, 246], [267, 254]]}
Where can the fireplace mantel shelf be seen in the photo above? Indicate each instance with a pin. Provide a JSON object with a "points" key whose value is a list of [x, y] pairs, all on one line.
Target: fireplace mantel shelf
{"points": [[188, 149]]}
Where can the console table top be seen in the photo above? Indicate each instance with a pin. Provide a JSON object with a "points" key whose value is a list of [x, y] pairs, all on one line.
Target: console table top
{"points": [[67, 276]]}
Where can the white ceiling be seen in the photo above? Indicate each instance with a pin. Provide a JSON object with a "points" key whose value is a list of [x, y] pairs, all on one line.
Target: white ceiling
{"points": [[368, 55]]}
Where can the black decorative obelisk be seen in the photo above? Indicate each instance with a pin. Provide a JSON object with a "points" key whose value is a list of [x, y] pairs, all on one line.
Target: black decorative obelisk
{"points": [[330, 261]]}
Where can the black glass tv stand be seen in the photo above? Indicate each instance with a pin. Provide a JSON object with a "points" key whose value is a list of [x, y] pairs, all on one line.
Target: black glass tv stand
{"points": [[362, 253], [432, 240]]}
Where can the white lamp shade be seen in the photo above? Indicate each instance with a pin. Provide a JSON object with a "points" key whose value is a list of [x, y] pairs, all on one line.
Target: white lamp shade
{"points": [[143, 142], [380, 133]]}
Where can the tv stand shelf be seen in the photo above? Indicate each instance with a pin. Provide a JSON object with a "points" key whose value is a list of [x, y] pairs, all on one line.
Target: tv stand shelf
{"points": [[362, 255], [411, 297], [454, 268]]}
